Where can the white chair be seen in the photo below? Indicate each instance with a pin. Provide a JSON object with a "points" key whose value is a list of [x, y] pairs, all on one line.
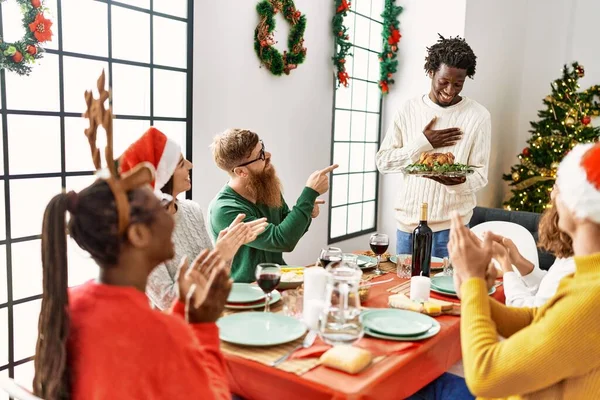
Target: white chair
{"points": [[520, 236], [14, 390]]}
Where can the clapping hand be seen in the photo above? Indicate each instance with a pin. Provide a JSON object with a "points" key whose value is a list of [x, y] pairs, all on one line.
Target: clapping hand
{"points": [[237, 234]]}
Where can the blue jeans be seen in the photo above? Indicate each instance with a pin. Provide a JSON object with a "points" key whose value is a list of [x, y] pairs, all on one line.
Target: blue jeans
{"points": [[446, 387], [439, 248]]}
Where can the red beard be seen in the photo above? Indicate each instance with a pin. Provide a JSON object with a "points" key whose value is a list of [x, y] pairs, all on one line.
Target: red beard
{"points": [[266, 187]]}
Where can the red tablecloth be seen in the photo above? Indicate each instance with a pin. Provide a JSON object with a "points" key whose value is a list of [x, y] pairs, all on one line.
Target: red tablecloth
{"points": [[396, 377]]}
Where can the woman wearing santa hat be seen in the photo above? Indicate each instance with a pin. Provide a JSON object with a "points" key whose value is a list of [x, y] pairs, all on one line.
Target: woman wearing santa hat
{"points": [[550, 351], [190, 235]]}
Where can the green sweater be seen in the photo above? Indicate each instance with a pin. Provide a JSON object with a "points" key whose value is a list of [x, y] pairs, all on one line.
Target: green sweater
{"points": [[284, 230]]}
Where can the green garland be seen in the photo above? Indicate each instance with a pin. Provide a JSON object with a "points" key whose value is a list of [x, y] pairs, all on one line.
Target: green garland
{"points": [[342, 45], [269, 56], [388, 64], [18, 56]]}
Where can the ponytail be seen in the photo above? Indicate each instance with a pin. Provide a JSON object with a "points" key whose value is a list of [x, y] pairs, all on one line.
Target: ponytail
{"points": [[51, 380]]}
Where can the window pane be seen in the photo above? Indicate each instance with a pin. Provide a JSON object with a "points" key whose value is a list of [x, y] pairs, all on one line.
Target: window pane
{"points": [[372, 129], [38, 91], [3, 277], [349, 23], [81, 75], [357, 155], [127, 25], [27, 211], [338, 221], [358, 126], [361, 63], [24, 375], [138, 3], [343, 96], [78, 183], [26, 269], [3, 336], [359, 95], [175, 130], [3, 375], [81, 266], [177, 8], [376, 40], [170, 42], [77, 148], [373, 97], [355, 218], [127, 131], [342, 125], [361, 32], [341, 154], [170, 90], [26, 317], [356, 188], [339, 190], [44, 156], [81, 34], [377, 7], [370, 153], [373, 67], [362, 7], [2, 216], [368, 216], [370, 186], [131, 90]]}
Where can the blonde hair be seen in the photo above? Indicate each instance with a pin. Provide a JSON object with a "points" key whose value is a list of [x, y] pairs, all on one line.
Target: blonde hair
{"points": [[233, 147], [551, 238]]}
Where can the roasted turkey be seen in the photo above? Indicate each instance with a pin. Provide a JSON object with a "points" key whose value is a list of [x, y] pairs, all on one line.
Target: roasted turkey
{"points": [[430, 159]]}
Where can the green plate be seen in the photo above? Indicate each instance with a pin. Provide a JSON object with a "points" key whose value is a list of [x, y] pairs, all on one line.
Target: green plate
{"points": [[364, 261], [436, 262], [434, 330], [444, 283], [397, 322], [259, 329], [453, 293], [245, 293], [275, 297]]}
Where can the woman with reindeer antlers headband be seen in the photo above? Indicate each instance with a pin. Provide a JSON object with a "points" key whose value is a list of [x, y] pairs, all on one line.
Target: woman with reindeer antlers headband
{"points": [[101, 339], [190, 235]]}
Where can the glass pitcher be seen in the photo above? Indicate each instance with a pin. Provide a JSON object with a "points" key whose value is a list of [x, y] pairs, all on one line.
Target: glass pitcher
{"points": [[340, 320]]}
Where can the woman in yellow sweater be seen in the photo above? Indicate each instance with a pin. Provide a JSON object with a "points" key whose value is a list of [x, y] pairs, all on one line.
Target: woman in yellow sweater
{"points": [[550, 352]]}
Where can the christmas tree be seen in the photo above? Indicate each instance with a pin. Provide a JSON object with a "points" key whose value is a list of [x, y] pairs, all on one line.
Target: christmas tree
{"points": [[565, 122]]}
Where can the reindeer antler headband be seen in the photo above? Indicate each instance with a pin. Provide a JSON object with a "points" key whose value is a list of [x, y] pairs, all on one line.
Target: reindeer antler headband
{"points": [[141, 175]]}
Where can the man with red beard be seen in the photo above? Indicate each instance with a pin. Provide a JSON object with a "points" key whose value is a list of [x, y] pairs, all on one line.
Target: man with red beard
{"points": [[255, 190]]}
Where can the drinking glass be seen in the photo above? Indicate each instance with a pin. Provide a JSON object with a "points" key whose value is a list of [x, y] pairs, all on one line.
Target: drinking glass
{"points": [[350, 258], [267, 277], [292, 303], [330, 255], [448, 269], [404, 265], [379, 243]]}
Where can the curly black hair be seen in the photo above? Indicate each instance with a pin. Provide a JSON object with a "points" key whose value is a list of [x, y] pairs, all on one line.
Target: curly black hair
{"points": [[454, 52]]}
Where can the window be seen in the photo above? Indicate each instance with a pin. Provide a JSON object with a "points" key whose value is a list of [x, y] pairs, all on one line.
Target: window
{"points": [[144, 48], [356, 120]]}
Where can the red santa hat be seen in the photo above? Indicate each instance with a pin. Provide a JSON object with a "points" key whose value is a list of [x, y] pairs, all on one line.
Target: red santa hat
{"points": [[157, 149], [578, 180]]}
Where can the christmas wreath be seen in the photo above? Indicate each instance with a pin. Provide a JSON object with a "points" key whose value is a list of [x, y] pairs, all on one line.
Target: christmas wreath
{"points": [[269, 56], [342, 43], [18, 56], [388, 64]]}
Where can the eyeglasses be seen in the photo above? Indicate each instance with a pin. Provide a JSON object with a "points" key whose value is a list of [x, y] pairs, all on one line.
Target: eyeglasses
{"points": [[261, 156]]}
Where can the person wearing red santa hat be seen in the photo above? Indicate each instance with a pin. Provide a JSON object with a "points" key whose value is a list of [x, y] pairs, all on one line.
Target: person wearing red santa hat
{"points": [[190, 235], [559, 338]]}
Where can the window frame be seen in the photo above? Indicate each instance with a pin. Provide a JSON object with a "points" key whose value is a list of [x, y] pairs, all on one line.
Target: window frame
{"points": [[347, 204], [6, 177]]}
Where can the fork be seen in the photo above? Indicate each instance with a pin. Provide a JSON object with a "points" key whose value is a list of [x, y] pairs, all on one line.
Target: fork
{"points": [[308, 341]]}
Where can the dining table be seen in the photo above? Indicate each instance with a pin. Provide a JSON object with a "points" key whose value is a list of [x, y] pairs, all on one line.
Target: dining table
{"points": [[399, 369]]}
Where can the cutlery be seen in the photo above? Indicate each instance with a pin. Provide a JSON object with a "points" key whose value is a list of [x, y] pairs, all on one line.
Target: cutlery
{"points": [[308, 341], [376, 283]]}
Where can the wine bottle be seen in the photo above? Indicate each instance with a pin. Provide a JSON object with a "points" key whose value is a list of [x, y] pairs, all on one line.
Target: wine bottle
{"points": [[422, 239]]}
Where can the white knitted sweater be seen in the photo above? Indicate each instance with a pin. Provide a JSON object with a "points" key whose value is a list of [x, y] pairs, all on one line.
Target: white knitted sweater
{"points": [[403, 144], [190, 238]]}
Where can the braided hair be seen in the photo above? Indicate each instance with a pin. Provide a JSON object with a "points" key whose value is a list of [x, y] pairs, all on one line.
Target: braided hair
{"points": [[94, 226], [454, 52]]}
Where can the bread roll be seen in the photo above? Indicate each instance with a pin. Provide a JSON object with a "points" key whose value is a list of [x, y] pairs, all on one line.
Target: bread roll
{"points": [[349, 359]]}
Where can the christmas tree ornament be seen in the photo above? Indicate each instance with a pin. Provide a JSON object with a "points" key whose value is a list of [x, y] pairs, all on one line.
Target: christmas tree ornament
{"points": [[515, 176], [569, 121], [526, 152], [586, 120]]}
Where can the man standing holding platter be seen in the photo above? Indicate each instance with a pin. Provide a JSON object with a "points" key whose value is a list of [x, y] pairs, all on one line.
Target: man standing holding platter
{"points": [[454, 131]]}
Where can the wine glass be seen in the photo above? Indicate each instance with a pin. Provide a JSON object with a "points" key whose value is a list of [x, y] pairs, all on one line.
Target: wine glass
{"points": [[329, 255], [379, 243], [267, 277]]}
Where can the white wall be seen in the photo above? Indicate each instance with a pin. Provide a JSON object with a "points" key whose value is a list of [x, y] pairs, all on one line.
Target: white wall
{"points": [[420, 22], [292, 114]]}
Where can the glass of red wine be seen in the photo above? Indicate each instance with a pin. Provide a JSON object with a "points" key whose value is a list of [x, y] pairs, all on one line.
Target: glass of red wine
{"points": [[379, 243], [330, 255], [267, 277]]}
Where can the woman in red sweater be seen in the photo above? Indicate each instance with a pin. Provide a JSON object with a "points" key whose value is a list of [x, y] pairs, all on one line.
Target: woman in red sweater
{"points": [[102, 340]]}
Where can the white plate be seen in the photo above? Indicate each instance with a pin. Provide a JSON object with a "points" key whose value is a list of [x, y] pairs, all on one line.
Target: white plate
{"points": [[276, 296]]}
